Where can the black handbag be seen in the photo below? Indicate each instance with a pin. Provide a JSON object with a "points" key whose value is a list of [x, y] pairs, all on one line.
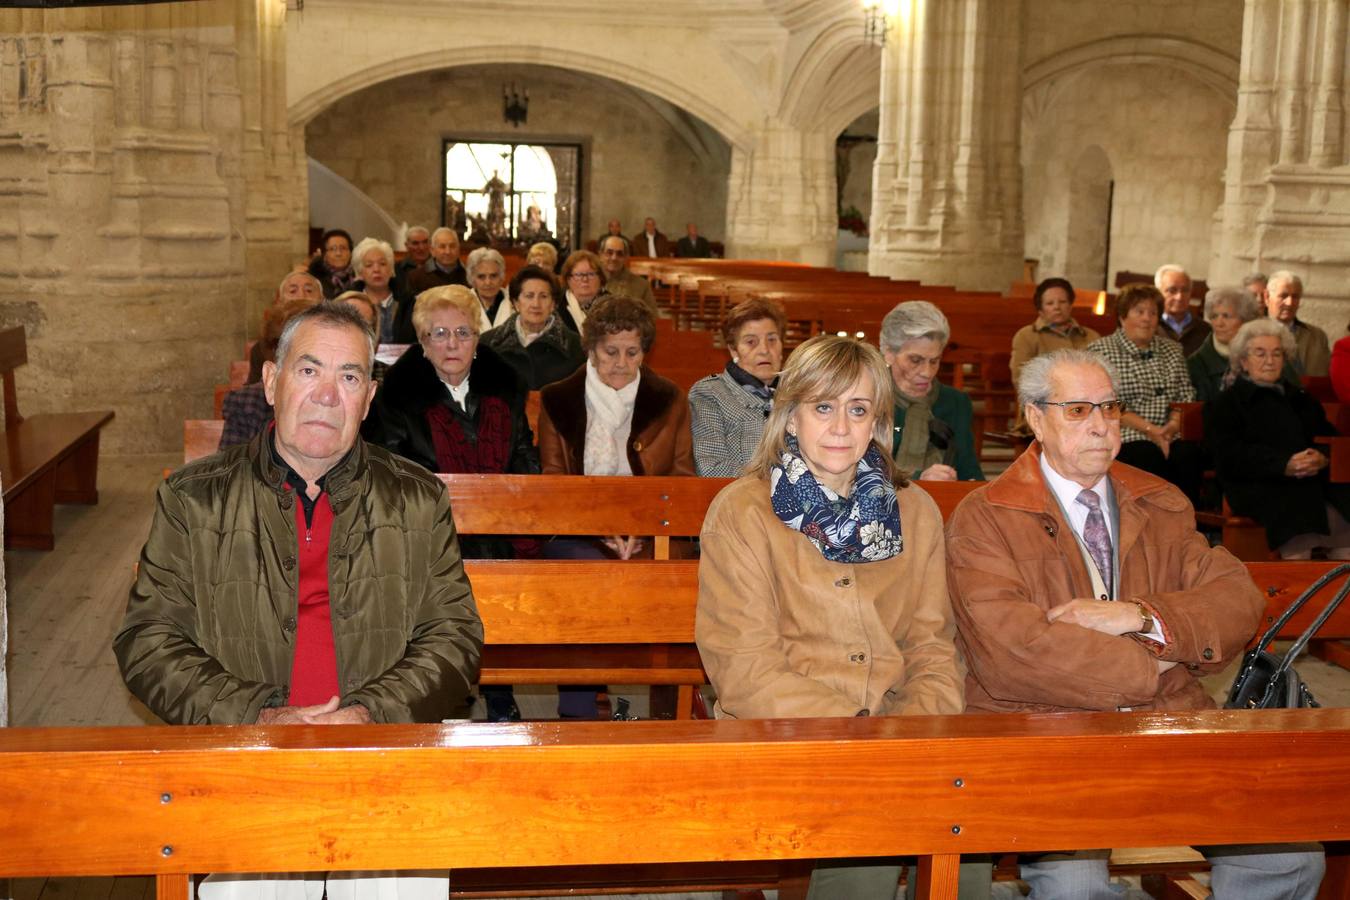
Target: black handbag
{"points": [[1267, 680]]}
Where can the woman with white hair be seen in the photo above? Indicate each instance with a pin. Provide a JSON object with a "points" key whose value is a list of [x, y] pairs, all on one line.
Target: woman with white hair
{"points": [[487, 275], [1226, 309], [373, 260], [1261, 431], [933, 436]]}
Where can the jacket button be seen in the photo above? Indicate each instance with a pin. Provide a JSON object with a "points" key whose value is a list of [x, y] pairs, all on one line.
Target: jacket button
{"points": [[843, 582], [857, 657], [288, 563], [1050, 530], [1207, 653], [637, 445], [290, 623], [286, 501]]}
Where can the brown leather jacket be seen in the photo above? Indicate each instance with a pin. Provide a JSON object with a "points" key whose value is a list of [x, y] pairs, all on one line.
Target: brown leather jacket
{"points": [[785, 632], [1011, 556], [659, 443]]}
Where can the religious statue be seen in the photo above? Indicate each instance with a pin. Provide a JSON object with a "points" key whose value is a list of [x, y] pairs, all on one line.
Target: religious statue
{"points": [[496, 214]]}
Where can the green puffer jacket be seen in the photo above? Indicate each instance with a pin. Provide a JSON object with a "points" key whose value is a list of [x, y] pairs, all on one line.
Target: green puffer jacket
{"points": [[209, 634]]}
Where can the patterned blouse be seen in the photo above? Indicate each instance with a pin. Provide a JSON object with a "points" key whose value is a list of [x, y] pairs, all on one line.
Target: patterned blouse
{"points": [[1151, 379]]}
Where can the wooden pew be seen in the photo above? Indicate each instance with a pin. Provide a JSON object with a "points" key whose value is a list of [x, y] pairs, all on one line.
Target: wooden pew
{"points": [[471, 797], [201, 437], [47, 459]]}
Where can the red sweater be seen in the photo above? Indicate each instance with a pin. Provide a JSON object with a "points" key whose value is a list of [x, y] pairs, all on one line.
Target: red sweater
{"points": [[314, 674]]}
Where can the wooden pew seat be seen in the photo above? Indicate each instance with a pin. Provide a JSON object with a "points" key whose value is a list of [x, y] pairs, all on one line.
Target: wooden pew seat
{"points": [[46, 459]]}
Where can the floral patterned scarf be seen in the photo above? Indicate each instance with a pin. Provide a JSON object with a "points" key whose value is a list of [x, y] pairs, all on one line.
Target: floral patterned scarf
{"points": [[862, 528]]}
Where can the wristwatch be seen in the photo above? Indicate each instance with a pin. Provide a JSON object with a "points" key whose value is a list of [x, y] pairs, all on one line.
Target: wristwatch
{"points": [[1148, 623]]}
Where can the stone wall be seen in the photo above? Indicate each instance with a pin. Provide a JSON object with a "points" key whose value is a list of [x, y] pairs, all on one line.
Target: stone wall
{"points": [[1163, 134], [641, 156], [144, 159]]}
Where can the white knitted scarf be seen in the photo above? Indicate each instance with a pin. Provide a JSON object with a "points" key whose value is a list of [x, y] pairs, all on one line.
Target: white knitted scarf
{"points": [[609, 418]]}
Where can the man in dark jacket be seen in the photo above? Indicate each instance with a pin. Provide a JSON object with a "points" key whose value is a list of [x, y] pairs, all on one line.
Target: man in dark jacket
{"points": [[1080, 584], [444, 266], [278, 576]]}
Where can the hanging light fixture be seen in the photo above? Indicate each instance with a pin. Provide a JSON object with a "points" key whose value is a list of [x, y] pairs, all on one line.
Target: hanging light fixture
{"points": [[515, 105], [879, 16], [874, 23]]}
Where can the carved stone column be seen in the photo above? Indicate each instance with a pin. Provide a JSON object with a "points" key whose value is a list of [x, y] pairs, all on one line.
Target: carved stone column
{"points": [[947, 203], [1287, 186], [781, 197], [132, 219]]}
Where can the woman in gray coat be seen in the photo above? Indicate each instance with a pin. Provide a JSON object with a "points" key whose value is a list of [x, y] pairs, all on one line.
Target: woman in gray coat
{"points": [[727, 410]]}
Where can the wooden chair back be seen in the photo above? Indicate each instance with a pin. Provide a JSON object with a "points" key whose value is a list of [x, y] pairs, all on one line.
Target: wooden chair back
{"points": [[13, 353], [201, 437]]}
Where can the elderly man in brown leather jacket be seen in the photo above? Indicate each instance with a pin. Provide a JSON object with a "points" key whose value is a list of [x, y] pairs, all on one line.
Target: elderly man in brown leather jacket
{"points": [[1079, 584], [304, 578]]}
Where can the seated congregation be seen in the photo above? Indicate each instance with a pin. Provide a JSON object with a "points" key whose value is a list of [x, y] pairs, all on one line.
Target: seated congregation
{"points": [[829, 584]]}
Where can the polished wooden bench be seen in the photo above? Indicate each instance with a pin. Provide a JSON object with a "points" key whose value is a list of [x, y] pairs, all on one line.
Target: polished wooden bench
{"points": [[486, 799], [596, 621], [47, 458]]}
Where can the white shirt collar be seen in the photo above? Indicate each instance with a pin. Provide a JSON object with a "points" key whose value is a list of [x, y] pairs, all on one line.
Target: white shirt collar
{"points": [[1067, 492], [459, 393]]}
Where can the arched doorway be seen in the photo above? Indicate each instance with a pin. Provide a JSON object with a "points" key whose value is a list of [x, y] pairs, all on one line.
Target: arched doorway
{"points": [[1087, 242]]}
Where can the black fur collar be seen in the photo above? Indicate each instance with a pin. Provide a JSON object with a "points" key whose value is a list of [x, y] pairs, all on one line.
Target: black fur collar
{"points": [[412, 384]]}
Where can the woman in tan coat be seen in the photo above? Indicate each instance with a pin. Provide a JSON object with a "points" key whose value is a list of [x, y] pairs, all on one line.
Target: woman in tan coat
{"points": [[822, 587]]}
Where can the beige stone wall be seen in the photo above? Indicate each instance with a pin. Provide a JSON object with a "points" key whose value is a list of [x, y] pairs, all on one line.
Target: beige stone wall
{"points": [[642, 157], [1163, 134], [144, 212], [1052, 28]]}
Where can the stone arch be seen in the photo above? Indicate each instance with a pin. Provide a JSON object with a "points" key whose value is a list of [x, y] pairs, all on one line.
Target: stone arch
{"points": [[836, 80], [1087, 239], [318, 99], [1212, 67]]}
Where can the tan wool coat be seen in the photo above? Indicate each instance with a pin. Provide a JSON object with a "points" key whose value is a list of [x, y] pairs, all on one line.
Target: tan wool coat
{"points": [[784, 632], [1011, 556]]}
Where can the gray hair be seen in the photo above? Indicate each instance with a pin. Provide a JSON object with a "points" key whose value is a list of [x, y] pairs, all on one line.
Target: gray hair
{"points": [[281, 288], [1237, 350], [1240, 302], [1254, 278], [1036, 381], [1167, 270], [444, 230], [330, 315], [366, 246], [415, 228], [481, 255], [913, 320], [1286, 276]]}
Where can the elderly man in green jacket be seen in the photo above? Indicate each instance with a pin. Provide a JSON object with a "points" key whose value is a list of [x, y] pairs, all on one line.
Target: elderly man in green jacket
{"points": [[305, 578]]}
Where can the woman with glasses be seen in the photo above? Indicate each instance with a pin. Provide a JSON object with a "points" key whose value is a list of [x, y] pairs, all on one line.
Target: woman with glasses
{"points": [[583, 279], [1153, 377], [333, 264], [453, 406], [1262, 431]]}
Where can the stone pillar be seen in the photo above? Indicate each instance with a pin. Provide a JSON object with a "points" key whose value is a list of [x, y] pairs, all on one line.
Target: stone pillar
{"points": [[946, 197], [131, 218], [781, 197], [1287, 184]]}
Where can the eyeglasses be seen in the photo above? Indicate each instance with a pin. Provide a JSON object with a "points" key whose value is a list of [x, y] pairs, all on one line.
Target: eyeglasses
{"points": [[441, 335], [583, 275], [1078, 410]]}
